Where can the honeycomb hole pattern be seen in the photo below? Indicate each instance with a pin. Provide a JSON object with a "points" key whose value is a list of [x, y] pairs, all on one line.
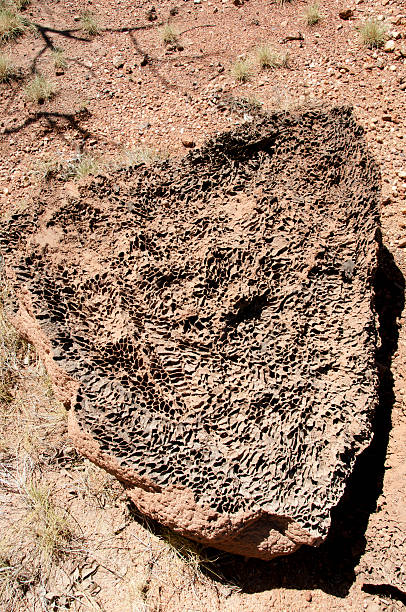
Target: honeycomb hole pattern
{"points": [[216, 317]]}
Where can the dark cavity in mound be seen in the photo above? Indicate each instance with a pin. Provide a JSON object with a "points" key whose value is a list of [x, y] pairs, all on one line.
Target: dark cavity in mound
{"points": [[218, 315]]}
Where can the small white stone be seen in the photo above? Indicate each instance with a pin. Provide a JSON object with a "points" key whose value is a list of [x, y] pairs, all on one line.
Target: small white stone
{"points": [[389, 46], [118, 61]]}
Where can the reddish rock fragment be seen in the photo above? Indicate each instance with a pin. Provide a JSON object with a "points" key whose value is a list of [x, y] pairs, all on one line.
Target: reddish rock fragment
{"points": [[346, 14], [188, 142]]}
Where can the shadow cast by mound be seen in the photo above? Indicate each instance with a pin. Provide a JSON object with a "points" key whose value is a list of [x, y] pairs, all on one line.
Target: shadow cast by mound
{"points": [[331, 567], [385, 590]]}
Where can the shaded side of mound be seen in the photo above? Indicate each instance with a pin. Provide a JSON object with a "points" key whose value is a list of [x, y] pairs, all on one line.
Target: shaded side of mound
{"points": [[212, 322]]}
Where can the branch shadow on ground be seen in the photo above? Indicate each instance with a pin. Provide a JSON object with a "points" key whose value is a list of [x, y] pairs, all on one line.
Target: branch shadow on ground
{"points": [[59, 119], [152, 63], [47, 32], [55, 122], [49, 35], [332, 567]]}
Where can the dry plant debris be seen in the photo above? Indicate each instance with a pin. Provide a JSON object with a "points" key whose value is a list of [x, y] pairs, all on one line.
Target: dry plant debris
{"points": [[312, 14], [169, 34], [89, 23]]}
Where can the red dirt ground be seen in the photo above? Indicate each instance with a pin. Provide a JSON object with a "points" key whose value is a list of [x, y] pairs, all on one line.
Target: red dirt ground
{"points": [[173, 99]]}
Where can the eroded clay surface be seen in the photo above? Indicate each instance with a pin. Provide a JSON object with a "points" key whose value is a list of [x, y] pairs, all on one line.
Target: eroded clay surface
{"points": [[217, 317]]}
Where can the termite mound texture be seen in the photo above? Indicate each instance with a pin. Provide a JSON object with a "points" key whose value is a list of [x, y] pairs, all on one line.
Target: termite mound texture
{"points": [[217, 316]]}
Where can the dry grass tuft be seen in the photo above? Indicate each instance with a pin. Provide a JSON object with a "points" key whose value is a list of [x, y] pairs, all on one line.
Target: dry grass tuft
{"points": [[268, 58], [312, 14], [49, 525], [32, 421], [193, 554], [47, 169], [25, 428], [37, 534], [7, 69], [40, 90], [12, 24], [141, 155], [373, 33], [59, 60], [14, 352], [89, 24], [76, 167], [169, 35], [85, 165], [242, 70], [13, 580]]}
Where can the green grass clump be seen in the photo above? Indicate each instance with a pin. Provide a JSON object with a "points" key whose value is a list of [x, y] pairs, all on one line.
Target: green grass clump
{"points": [[268, 58], [241, 70], [373, 33], [89, 24], [12, 24], [39, 89]]}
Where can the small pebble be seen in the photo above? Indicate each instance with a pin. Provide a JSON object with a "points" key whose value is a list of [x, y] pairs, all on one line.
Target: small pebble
{"points": [[389, 46], [188, 142], [346, 14]]}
